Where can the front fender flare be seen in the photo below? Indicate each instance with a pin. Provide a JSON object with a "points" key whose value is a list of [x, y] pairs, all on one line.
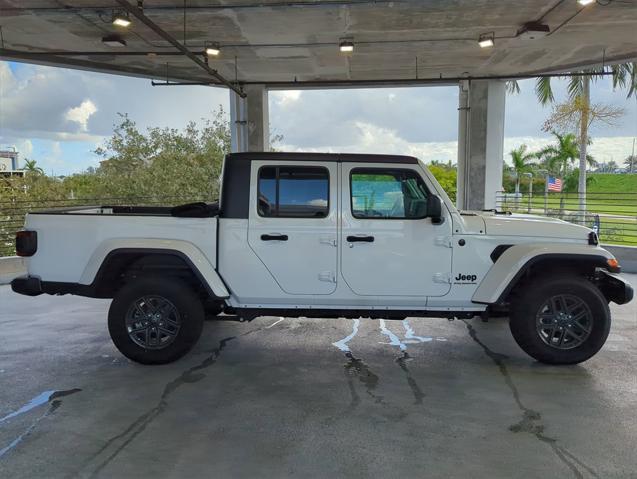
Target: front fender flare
{"points": [[513, 263]]}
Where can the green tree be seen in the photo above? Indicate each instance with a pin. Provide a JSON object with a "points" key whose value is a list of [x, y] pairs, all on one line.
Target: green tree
{"points": [[446, 175], [32, 167], [557, 158], [162, 164], [571, 181], [631, 163], [521, 161]]}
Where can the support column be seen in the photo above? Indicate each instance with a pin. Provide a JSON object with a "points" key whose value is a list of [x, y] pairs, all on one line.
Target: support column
{"points": [[249, 120], [238, 123], [480, 143]]}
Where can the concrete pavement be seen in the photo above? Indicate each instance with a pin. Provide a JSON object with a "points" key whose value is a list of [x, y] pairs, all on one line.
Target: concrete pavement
{"points": [[308, 398]]}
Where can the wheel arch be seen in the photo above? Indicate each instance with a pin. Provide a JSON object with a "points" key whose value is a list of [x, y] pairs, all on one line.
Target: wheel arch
{"points": [[520, 262], [110, 268]]}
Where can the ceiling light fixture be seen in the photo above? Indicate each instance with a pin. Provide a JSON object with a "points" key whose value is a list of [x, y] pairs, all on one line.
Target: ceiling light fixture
{"points": [[585, 2], [114, 41], [346, 46], [486, 40], [213, 50], [121, 19]]}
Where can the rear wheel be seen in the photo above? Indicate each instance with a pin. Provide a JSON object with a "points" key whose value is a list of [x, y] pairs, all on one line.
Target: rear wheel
{"points": [[155, 320], [564, 320]]}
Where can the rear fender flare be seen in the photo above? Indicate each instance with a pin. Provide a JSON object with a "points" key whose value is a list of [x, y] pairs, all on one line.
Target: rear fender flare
{"points": [[201, 266]]}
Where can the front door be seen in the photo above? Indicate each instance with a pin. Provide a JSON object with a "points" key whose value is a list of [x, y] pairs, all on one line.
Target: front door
{"points": [[293, 227], [389, 246]]}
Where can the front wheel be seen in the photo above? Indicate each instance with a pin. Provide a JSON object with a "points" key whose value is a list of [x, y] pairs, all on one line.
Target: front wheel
{"points": [[155, 320], [563, 320]]}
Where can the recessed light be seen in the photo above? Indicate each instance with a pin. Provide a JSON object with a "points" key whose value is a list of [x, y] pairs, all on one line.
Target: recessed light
{"points": [[114, 41], [121, 20], [346, 46], [213, 50], [585, 2], [486, 40]]}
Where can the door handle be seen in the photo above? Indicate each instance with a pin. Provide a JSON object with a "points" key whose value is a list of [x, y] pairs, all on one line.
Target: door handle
{"points": [[274, 237], [360, 239]]}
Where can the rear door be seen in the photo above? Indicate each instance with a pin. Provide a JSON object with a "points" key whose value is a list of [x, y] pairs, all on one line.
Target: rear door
{"points": [[389, 246], [293, 223]]}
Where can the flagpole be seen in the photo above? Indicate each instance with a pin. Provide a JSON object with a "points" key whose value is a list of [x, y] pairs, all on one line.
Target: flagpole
{"points": [[546, 194]]}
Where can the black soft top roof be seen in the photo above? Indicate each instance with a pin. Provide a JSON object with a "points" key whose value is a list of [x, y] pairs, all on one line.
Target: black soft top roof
{"points": [[336, 157]]}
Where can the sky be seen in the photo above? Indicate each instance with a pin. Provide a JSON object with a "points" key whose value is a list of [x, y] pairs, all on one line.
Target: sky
{"points": [[59, 116]]}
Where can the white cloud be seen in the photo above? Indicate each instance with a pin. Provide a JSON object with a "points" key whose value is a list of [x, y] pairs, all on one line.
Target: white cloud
{"points": [[80, 114], [41, 105], [374, 139], [285, 98], [47, 103]]}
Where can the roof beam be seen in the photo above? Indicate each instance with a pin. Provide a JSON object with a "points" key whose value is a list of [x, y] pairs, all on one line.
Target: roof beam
{"points": [[137, 13]]}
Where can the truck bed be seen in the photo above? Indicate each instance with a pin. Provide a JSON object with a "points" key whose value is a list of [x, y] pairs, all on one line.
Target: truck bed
{"points": [[69, 247]]}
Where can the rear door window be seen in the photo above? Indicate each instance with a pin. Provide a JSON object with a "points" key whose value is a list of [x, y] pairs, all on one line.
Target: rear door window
{"points": [[293, 192]]}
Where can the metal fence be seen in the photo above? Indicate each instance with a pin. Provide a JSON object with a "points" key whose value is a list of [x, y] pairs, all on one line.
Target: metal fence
{"points": [[13, 211], [612, 215]]}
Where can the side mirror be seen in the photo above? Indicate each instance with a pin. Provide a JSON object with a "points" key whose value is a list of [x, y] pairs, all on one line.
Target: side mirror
{"points": [[434, 210]]}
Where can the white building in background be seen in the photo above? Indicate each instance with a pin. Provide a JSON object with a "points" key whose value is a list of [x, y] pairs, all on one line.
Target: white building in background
{"points": [[9, 163]]}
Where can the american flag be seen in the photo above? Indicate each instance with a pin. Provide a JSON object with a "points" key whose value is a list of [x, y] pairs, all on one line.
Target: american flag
{"points": [[555, 184]]}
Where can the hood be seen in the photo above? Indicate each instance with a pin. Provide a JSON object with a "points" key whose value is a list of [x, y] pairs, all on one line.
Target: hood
{"points": [[531, 226]]}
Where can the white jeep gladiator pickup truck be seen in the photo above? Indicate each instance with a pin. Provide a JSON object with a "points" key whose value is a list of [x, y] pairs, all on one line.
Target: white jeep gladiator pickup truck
{"points": [[325, 235]]}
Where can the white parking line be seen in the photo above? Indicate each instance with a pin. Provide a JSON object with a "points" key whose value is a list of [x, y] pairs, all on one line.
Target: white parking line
{"points": [[394, 341], [275, 323], [409, 333], [342, 344], [39, 400]]}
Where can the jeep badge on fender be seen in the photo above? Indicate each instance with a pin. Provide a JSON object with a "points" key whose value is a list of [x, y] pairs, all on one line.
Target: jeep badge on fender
{"points": [[465, 278]]}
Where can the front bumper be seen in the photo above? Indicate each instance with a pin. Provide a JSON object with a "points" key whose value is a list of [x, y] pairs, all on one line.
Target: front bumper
{"points": [[615, 288], [27, 285]]}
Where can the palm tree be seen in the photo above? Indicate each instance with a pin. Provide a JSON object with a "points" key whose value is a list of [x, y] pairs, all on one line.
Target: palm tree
{"points": [[521, 160], [31, 166], [558, 157], [612, 166], [623, 76]]}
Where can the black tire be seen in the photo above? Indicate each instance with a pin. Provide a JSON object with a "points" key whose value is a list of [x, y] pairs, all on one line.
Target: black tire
{"points": [[533, 328], [181, 310], [213, 309]]}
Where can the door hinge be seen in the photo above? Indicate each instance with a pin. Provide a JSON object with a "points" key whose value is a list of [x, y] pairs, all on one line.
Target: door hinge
{"points": [[442, 278], [329, 241], [443, 241], [327, 276]]}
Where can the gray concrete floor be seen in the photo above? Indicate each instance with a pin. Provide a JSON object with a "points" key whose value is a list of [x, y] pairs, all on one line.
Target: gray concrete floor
{"points": [[276, 398]]}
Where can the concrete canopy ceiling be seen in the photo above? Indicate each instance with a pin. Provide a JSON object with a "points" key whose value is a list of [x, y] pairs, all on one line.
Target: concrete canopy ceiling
{"points": [[286, 42]]}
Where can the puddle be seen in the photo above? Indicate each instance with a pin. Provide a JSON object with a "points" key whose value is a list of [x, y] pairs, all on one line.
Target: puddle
{"points": [[355, 367]]}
